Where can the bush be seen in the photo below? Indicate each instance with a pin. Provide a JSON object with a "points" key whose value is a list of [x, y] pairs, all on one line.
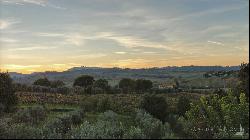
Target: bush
{"points": [[103, 104], [63, 124], [212, 114], [22, 131], [172, 120], [134, 133], [50, 134], [77, 117], [93, 103], [106, 127], [182, 127], [7, 94], [32, 115], [99, 130], [152, 127], [89, 104], [108, 116], [183, 105], [156, 106], [60, 125], [3, 129]]}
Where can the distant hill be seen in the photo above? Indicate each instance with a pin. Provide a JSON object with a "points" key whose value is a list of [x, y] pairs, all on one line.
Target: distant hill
{"points": [[115, 74], [169, 68]]}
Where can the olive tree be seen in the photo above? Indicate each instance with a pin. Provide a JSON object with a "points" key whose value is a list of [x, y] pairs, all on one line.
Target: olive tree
{"points": [[127, 85], [42, 82], [102, 84], [84, 81], [143, 85]]}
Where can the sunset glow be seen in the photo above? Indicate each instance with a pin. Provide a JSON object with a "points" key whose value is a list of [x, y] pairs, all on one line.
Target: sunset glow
{"points": [[55, 35]]}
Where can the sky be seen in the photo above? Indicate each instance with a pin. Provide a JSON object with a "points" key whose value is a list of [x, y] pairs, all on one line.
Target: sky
{"points": [[55, 35]]}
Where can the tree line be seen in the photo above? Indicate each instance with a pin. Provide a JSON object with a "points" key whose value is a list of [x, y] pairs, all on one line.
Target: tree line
{"points": [[87, 84]]}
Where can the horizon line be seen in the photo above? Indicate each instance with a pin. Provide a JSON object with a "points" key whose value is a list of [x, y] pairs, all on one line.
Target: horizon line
{"points": [[120, 68]]}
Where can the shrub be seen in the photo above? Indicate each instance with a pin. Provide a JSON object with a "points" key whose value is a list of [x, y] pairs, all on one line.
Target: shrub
{"points": [[32, 115], [108, 116], [96, 103], [103, 104], [22, 131], [156, 106], [63, 124], [3, 129], [85, 131], [7, 95], [151, 127], [58, 125], [89, 104], [183, 105], [134, 133], [22, 116], [98, 130], [182, 128], [106, 127], [212, 114], [50, 134], [77, 117]]}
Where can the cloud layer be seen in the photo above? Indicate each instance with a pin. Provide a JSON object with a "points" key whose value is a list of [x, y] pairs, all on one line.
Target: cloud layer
{"points": [[108, 33]]}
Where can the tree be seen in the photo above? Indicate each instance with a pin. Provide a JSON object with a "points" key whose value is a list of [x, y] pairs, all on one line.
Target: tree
{"points": [[183, 105], [203, 119], [127, 85], [8, 98], [143, 85], [42, 82], [102, 84], [217, 117], [84, 81], [156, 106], [57, 83], [244, 78]]}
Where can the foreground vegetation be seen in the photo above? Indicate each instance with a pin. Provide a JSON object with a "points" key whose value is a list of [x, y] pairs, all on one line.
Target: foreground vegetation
{"points": [[137, 113]]}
